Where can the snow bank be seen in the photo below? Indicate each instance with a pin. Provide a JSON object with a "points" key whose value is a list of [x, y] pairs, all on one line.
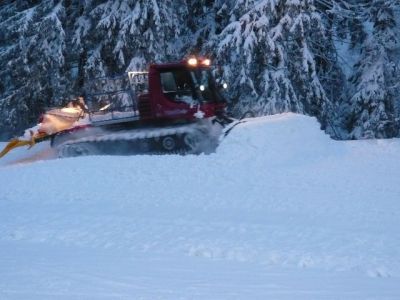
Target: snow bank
{"points": [[279, 211]]}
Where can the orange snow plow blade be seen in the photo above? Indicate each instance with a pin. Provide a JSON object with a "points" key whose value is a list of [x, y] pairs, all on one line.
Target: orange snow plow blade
{"points": [[15, 143]]}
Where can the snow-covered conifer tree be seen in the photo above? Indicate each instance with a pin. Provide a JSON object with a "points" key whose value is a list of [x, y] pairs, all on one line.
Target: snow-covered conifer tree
{"points": [[271, 53], [128, 34], [370, 108], [31, 59], [204, 20]]}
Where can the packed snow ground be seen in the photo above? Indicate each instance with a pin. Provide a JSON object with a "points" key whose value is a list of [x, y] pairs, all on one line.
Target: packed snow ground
{"points": [[279, 212]]}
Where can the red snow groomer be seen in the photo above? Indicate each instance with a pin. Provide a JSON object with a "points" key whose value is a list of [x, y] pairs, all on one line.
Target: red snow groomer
{"points": [[172, 108]]}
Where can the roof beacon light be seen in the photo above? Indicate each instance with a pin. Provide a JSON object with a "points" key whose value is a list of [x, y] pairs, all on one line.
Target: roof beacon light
{"points": [[192, 61], [206, 62]]}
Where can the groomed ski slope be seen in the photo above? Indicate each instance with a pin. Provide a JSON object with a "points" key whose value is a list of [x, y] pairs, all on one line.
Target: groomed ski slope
{"points": [[279, 212]]}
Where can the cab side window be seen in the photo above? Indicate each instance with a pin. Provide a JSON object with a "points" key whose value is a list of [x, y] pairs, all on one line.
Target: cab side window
{"points": [[168, 84], [177, 85]]}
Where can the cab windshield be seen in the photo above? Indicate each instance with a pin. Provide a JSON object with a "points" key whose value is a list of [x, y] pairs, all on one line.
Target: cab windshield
{"points": [[191, 86]]}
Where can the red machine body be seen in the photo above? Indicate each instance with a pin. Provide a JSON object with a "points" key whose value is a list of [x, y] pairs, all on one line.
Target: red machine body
{"points": [[171, 107]]}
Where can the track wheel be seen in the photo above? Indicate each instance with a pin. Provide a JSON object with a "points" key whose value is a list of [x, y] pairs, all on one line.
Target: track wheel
{"points": [[168, 143]]}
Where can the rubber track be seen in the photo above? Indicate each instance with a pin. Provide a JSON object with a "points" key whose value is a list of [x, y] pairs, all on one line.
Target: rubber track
{"points": [[135, 137]]}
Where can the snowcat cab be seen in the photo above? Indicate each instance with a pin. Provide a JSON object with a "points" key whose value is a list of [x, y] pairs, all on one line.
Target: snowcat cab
{"points": [[185, 90], [177, 92]]}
